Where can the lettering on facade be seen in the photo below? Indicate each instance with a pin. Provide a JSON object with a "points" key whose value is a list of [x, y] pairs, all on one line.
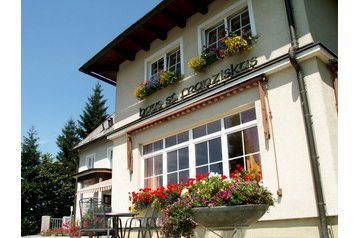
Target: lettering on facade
{"points": [[223, 76]]}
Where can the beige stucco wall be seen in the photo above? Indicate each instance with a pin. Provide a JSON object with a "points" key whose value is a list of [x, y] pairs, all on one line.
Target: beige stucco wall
{"points": [[292, 160], [290, 169], [101, 157], [270, 23]]}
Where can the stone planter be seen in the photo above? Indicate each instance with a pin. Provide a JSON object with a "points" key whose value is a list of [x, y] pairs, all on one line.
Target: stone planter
{"points": [[229, 216]]}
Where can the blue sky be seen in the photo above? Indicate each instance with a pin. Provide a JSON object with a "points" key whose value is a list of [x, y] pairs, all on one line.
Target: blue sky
{"points": [[57, 38]]}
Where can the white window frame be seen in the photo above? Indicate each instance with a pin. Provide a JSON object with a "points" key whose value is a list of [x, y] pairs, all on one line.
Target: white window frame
{"points": [[89, 161], [192, 142], [163, 54], [224, 15]]}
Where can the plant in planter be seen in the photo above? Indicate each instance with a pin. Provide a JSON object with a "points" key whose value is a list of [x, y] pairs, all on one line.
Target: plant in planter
{"points": [[167, 78], [230, 45], [163, 196], [198, 64], [157, 82], [235, 44], [215, 191]]}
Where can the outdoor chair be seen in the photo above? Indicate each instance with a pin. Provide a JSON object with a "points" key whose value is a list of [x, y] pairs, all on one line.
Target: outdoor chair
{"points": [[145, 224], [94, 221]]}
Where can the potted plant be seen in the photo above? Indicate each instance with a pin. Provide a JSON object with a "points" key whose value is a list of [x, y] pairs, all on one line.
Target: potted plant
{"points": [[236, 44], [230, 45], [198, 64], [204, 198], [157, 82], [147, 197]]}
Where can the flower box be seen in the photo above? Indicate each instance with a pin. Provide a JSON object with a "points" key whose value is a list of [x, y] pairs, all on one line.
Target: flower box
{"points": [[229, 216]]}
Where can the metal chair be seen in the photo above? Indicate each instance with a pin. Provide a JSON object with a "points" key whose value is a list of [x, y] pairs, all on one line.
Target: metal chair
{"points": [[93, 218], [144, 224]]}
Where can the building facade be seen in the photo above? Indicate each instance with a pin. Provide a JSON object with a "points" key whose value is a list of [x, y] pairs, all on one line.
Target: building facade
{"points": [[273, 108]]}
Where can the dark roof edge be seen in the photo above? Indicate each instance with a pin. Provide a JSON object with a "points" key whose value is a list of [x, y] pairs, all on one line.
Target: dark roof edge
{"points": [[125, 33], [91, 171]]}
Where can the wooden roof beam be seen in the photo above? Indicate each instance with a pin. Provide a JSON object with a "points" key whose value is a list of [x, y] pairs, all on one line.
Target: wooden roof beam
{"points": [[162, 34], [125, 53], [201, 7], [140, 42], [174, 18]]}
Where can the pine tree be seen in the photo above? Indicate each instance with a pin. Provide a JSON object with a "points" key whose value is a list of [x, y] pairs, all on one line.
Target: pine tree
{"points": [[30, 202], [66, 142], [67, 160], [94, 113], [30, 155]]}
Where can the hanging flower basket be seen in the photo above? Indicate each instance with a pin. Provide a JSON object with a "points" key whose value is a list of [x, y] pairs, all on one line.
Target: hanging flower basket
{"points": [[229, 216]]}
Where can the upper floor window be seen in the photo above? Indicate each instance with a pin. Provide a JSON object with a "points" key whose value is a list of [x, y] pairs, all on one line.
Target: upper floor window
{"points": [[240, 23], [169, 62], [90, 161], [232, 21], [169, 58]]}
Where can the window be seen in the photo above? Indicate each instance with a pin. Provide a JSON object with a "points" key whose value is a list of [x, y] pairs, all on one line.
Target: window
{"points": [[178, 165], [153, 171], [240, 23], [90, 161], [168, 59], [214, 35], [169, 62], [237, 22], [218, 147]]}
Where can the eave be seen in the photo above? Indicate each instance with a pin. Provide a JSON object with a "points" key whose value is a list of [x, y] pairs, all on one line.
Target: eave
{"points": [[139, 36]]}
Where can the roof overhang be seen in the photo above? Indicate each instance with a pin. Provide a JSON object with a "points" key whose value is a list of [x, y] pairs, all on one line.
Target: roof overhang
{"points": [[93, 173], [154, 25], [105, 185]]}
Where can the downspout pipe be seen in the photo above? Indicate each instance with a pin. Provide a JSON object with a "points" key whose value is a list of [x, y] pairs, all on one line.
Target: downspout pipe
{"points": [[314, 158]]}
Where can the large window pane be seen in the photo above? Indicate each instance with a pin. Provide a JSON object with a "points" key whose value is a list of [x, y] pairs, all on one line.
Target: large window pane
{"points": [[245, 20], [235, 164], [183, 175], [184, 158], [158, 145], [248, 115], [216, 168], [232, 121], [199, 131], [251, 140], [182, 137], [202, 170], [158, 165], [148, 167], [214, 127], [234, 144], [215, 150], [172, 162], [201, 153], [253, 162], [172, 178], [148, 149], [170, 141]]}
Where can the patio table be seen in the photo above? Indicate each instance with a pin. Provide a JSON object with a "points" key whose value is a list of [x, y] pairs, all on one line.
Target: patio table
{"points": [[117, 222]]}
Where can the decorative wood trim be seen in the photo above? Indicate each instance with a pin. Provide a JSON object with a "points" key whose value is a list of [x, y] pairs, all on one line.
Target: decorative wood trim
{"points": [[129, 154], [265, 120]]}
